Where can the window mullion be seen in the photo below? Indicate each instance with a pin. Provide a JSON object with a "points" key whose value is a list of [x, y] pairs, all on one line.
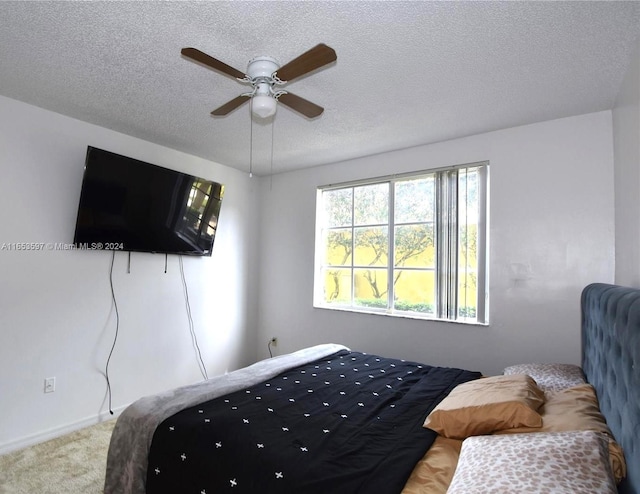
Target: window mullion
{"points": [[441, 299], [353, 246], [391, 249]]}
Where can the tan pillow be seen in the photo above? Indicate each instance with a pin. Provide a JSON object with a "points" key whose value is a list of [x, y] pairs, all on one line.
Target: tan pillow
{"points": [[487, 405], [576, 409], [433, 473]]}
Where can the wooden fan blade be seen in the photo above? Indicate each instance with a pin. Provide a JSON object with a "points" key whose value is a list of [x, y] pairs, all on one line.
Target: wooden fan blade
{"points": [[230, 106], [310, 60], [300, 105], [203, 58]]}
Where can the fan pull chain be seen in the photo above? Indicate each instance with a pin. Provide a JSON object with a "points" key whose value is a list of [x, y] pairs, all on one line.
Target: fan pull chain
{"points": [[273, 124], [251, 138]]}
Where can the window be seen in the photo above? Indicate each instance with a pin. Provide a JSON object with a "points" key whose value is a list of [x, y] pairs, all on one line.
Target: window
{"points": [[412, 245]]}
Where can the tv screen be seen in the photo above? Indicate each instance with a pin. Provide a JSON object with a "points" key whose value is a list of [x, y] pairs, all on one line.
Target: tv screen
{"points": [[127, 204]]}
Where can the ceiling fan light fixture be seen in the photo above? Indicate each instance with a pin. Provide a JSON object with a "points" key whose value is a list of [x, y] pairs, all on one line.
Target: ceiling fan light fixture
{"points": [[263, 105]]}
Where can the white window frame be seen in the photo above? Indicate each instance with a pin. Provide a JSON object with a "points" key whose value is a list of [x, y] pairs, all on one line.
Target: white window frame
{"points": [[446, 238]]}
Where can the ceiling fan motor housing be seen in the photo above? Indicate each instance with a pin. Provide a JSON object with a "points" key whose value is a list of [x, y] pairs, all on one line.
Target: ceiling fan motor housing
{"points": [[260, 69]]}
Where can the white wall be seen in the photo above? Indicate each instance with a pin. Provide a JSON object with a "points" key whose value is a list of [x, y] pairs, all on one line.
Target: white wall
{"points": [[626, 135], [56, 316], [552, 214], [551, 218]]}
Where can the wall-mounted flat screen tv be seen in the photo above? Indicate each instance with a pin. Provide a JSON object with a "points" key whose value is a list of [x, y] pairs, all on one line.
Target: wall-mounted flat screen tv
{"points": [[127, 204]]}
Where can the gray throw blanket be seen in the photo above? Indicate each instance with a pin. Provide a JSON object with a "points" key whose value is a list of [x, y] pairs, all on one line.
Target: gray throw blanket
{"points": [[133, 433]]}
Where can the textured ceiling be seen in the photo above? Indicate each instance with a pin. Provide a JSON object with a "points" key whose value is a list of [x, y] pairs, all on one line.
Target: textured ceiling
{"points": [[408, 73]]}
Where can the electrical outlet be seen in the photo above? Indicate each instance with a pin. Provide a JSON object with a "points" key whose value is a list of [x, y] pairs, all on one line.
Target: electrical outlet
{"points": [[49, 384], [274, 341]]}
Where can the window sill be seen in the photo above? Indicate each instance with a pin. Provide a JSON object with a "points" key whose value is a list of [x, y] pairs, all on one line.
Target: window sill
{"points": [[400, 315]]}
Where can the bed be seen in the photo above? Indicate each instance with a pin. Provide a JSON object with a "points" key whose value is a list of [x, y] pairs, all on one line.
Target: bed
{"points": [[329, 419]]}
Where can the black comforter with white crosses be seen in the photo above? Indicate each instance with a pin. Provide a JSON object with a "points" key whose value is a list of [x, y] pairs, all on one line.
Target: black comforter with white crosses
{"points": [[349, 423]]}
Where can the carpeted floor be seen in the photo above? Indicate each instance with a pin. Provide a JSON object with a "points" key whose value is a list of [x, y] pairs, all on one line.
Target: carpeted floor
{"points": [[71, 464]]}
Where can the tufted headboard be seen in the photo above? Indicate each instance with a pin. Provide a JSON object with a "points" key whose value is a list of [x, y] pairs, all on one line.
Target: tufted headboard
{"points": [[611, 363]]}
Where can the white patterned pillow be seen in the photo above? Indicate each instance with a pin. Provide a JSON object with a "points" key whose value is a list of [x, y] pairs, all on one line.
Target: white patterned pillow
{"points": [[574, 462], [550, 377]]}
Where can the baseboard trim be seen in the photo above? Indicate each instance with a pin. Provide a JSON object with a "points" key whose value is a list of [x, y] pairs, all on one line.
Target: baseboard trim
{"points": [[58, 431]]}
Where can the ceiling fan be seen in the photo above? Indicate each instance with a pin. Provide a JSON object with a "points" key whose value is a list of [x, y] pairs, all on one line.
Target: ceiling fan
{"points": [[264, 74]]}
